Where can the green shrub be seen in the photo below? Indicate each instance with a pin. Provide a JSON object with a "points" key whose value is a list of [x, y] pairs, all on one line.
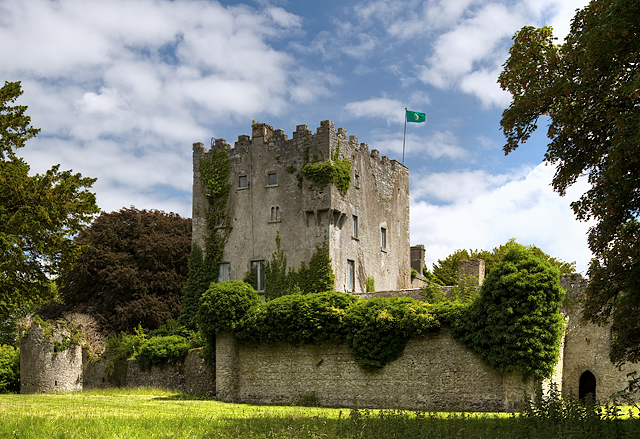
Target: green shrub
{"points": [[200, 276], [9, 369], [170, 349], [309, 318], [378, 329], [515, 324], [123, 345], [222, 308], [370, 285], [432, 293]]}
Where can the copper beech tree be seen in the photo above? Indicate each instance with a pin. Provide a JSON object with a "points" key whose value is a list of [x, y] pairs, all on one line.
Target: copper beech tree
{"points": [[588, 88]]}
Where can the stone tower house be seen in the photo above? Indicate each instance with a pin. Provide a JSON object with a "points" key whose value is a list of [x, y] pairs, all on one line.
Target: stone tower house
{"points": [[366, 228]]}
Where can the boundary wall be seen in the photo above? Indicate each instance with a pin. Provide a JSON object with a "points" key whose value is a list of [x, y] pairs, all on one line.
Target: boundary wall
{"points": [[435, 372]]}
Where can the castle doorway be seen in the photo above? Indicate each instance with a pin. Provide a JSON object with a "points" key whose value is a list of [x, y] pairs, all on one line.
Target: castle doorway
{"points": [[587, 385]]}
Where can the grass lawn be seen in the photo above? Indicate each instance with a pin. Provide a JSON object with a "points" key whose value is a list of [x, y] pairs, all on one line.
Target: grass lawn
{"points": [[151, 413]]}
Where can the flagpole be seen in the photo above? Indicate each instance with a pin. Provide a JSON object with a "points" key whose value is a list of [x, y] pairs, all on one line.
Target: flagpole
{"points": [[405, 133]]}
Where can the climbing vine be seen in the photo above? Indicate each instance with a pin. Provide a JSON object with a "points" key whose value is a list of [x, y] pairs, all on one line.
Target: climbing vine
{"points": [[318, 277], [214, 172], [336, 171]]}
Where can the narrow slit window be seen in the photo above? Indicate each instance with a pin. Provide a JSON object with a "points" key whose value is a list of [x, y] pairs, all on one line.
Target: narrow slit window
{"points": [[383, 238], [355, 226], [351, 275]]}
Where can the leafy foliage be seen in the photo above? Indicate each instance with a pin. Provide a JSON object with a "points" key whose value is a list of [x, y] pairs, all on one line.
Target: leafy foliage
{"points": [[215, 172], [378, 329], [589, 88], [9, 369], [200, 276], [370, 285], [316, 278], [446, 270], [38, 215], [336, 171], [515, 323], [307, 318], [223, 306], [132, 271], [158, 350]]}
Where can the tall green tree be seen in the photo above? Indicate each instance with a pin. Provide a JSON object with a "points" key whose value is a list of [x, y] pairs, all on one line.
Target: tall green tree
{"points": [[201, 274], [589, 89], [39, 215]]}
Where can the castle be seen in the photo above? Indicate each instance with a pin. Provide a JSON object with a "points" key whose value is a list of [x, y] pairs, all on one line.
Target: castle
{"points": [[366, 228]]}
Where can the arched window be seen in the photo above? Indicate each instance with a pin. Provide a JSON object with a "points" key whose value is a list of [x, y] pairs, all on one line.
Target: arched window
{"points": [[587, 385]]}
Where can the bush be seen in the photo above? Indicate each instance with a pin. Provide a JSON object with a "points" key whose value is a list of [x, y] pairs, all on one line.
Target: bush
{"points": [[378, 329], [515, 324], [222, 308], [170, 349], [9, 369], [309, 318]]}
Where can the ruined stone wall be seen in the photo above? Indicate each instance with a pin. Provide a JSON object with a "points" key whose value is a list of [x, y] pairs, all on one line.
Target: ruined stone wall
{"points": [[435, 372], [586, 347], [192, 376], [42, 368], [304, 214]]}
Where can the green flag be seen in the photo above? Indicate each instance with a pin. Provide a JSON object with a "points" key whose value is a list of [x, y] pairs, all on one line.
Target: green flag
{"points": [[414, 116]]}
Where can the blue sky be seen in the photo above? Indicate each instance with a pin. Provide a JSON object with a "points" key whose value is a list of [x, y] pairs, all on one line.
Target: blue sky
{"points": [[121, 90]]}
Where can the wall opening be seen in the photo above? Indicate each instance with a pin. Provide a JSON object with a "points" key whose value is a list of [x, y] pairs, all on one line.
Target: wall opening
{"points": [[587, 385]]}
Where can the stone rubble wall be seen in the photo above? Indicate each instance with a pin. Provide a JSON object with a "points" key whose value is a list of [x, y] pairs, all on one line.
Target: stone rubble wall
{"points": [[42, 369], [435, 373]]}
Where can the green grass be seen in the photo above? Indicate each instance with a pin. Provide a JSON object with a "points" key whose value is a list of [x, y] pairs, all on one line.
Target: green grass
{"points": [[151, 413]]}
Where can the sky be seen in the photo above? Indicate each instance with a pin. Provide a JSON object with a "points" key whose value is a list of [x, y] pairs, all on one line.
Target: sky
{"points": [[122, 89]]}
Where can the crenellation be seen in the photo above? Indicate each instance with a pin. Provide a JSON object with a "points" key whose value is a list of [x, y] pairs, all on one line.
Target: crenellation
{"points": [[375, 154]]}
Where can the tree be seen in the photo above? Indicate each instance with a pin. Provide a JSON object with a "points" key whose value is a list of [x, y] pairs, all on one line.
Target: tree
{"points": [[446, 270], [515, 323], [201, 274], [39, 214], [589, 88], [132, 271]]}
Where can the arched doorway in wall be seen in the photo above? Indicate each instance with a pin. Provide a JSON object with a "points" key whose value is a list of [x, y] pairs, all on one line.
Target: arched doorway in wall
{"points": [[587, 385]]}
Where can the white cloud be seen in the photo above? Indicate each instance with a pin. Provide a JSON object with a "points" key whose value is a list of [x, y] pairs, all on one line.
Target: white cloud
{"points": [[391, 110], [439, 144], [485, 211]]}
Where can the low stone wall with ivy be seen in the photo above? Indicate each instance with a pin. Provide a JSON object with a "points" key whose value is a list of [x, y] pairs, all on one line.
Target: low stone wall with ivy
{"points": [[436, 372]]}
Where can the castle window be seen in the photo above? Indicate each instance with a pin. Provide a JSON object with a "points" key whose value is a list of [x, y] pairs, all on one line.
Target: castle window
{"points": [[383, 238], [351, 275], [273, 179], [243, 181], [223, 272], [356, 180], [275, 214], [355, 226], [258, 274]]}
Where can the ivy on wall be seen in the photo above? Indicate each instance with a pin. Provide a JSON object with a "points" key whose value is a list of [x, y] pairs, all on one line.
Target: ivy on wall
{"points": [[279, 281], [514, 323], [215, 172], [336, 171]]}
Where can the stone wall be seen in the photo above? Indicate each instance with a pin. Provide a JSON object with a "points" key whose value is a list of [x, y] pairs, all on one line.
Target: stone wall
{"points": [[43, 369], [435, 373], [586, 347], [192, 376]]}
